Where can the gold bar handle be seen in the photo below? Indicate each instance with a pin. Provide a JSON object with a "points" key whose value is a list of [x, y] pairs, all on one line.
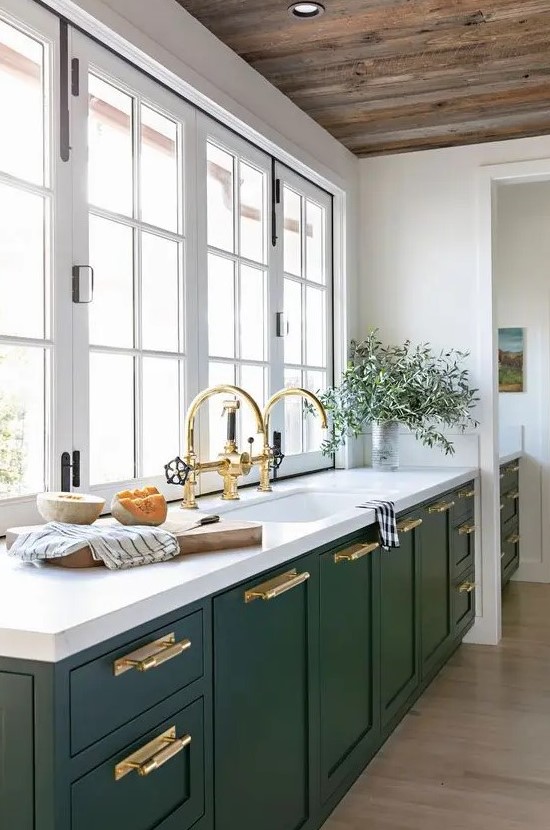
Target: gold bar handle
{"points": [[466, 587], [465, 530], [513, 539], [152, 655], [408, 524], [467, 494], [355, 552], [513, 496], [442, 507], [275, 587], [153, 755]]}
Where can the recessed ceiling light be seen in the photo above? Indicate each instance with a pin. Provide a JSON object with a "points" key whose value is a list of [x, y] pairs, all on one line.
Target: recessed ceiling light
{"points": [[306, 10]]}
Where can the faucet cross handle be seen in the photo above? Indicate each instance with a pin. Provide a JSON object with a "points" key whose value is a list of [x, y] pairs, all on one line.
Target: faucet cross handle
{"points": [[177, 471]]}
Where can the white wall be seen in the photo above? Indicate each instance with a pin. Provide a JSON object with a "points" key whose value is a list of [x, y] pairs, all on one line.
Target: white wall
{"points": [[424, 239], [522, 285]]}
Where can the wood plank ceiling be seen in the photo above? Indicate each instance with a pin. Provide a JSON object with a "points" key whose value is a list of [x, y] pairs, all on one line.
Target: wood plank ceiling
{"points": [[387, 76]]}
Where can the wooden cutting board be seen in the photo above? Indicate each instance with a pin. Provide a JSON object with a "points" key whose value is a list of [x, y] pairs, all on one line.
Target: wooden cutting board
{"points": [[214, 537]]}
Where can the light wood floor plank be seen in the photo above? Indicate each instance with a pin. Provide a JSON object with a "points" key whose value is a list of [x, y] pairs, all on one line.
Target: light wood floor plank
{"points": [[474, 753]]}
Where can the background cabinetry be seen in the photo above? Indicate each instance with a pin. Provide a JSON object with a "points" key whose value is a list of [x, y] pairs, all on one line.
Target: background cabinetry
{"points": [[509, 520]]}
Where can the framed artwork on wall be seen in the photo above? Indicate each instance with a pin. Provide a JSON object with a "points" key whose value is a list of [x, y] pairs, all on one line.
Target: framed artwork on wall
{"points": [[510, 360]]}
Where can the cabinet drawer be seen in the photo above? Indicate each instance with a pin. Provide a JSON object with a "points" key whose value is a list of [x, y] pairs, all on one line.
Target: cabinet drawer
{"points": [[118, 686], [509, 544], [464, 503], [463, 603], [463, 546], [509, 504], [165, 788], [509, 476]]}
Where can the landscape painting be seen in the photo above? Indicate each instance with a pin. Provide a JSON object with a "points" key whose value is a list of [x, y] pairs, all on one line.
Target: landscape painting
{"points": [[510, 360]]}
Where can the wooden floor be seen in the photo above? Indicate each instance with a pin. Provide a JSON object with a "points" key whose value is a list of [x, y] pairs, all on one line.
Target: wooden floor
{"points": [[474, 753]]}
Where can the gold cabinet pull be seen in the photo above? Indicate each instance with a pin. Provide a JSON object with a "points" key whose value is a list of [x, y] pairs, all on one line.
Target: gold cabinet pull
{"points": [[355, 552], [442, 507], [466, 587], [407, 525], [465, 530], [513, 496], [467, 494], [276, 586], [152, 655], [513, 539], [153, 755]]}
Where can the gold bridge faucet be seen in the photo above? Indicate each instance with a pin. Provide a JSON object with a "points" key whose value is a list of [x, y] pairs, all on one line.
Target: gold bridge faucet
{"points": [[231, 464]]}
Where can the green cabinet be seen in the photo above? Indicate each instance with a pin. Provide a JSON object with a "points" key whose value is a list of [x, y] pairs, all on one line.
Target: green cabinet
{"points": [[262, 691], [509, 520], [16, 752], [399, 621], [254, 708], [349, 659], [435, 585]]}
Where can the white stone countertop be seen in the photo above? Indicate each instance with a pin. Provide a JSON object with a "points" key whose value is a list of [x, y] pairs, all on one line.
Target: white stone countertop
{"points": [[48, 613]]}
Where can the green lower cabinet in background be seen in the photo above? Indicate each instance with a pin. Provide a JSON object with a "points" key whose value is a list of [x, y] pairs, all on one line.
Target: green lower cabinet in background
{"points": [[399, 620], [16, 752], [349, 660], [435, 586], [262, 691]]}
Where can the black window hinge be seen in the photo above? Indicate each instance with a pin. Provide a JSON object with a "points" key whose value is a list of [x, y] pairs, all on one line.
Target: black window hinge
{"points": [[66, 466], [275, 200], [75, 77]]}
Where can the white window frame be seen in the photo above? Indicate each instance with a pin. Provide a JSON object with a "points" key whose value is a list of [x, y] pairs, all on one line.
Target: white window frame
{"points": [[43, 26], [306, 461], [94, 58]]}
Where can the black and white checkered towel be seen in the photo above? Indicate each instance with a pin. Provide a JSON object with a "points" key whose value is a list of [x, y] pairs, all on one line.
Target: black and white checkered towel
{"points": [[387, 526]]}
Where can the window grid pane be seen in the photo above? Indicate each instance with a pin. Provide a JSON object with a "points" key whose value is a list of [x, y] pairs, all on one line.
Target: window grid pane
{"points": [[237, 288], [139, 265], [305, 305], [25, 247]]}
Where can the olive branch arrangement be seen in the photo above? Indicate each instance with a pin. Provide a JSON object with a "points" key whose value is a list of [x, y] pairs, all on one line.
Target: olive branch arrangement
{"points": [[424, 390]]}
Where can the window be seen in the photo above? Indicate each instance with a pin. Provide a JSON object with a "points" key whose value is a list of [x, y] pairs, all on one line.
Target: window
{"points": [[307, 261], [173, 213]]}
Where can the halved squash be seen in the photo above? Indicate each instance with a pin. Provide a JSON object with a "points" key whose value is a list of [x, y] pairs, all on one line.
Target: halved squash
{"points": [[139, 507]]}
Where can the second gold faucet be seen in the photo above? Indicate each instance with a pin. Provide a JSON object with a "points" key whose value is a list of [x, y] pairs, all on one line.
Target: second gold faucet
{"points": [[232, 464]]}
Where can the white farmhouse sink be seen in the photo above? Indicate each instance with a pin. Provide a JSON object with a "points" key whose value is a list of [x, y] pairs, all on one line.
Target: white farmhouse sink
{"points": [[296, 506]]}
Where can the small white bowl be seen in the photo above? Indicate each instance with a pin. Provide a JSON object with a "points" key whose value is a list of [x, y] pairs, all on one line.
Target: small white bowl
{"points": [[71, 508]]}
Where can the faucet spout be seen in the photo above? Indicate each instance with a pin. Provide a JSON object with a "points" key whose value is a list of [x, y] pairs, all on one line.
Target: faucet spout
{"points": [[220, 389], [231, 464], [292, 391]]}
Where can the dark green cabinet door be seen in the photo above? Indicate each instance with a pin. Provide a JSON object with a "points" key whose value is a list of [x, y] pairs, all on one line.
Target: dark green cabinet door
{"points": [[348, 661], [16, 752], [399, 623], [435, 586], [262, 683]]}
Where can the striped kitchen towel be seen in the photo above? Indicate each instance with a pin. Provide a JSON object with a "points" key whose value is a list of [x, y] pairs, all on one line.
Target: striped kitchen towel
{"points": [[387, 526], [117, 546]]}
